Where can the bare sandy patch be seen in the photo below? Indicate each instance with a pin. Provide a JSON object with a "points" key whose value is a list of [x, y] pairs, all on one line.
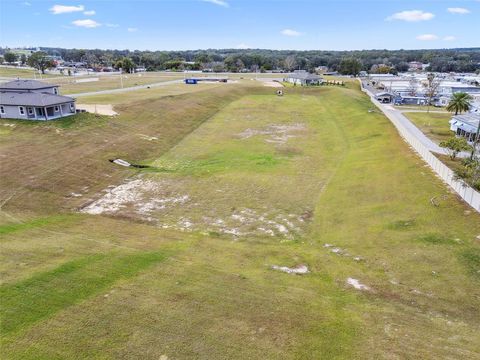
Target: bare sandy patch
{"points": [[357, 284], [299, 269], [101, 109], [277, 134], [167, 204], [274, 84]]}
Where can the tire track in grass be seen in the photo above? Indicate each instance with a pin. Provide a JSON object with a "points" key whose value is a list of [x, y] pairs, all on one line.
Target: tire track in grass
{"points": [[41, 296]]}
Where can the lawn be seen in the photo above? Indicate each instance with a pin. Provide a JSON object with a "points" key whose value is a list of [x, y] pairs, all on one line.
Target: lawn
{"points": [[98, 82], [11, 72], [177, 262], [142, 94], [434, 125], [420, 108]]}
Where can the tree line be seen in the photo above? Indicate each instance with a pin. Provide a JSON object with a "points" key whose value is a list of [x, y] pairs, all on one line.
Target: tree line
{"points": [[235, 60]]}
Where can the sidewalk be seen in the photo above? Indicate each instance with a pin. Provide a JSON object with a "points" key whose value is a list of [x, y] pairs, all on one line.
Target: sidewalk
{"points": [[397, 117]]}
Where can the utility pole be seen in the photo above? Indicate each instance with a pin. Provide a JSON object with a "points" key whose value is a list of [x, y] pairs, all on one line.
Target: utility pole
{"points": [[430, 78], [475, 142]]}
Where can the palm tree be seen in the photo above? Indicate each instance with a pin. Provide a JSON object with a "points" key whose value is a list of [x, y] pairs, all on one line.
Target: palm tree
{"points": [[460, 102]]}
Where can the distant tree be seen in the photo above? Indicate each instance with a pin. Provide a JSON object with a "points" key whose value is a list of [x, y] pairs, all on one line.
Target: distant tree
{"points": [[218, 66], [230, 63], [290, 62], [455, 145], [106, 59], [10, 57], [2, 60], [126, 64], [412, 87], [350, 66], [90, 59], [460, 102], [203, 58], [39, 60], [431, 88], [23, 59], [240, 65], [384, 69], [402, 66]]}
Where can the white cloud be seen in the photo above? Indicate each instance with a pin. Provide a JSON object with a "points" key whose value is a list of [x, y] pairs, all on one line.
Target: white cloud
{"points": [[411, 16], [449, 38], [112, 25], [86, 23], [132, 29], [290, 32], [89, 12], [427, 37], [243, 46], [218, 2], [458, 11], [64, 9]]}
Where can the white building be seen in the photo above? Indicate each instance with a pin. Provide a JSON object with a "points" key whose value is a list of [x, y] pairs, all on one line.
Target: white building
{"points": [[465, 125]]}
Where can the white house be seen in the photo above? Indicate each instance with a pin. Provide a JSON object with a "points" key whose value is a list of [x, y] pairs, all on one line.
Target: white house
{"points": [[302, 77], [465, 125], [33, 100]]}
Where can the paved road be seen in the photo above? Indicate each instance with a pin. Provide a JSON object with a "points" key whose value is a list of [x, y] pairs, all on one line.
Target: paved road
{"points": [[396, 116], [126, 89], [390, 111]]}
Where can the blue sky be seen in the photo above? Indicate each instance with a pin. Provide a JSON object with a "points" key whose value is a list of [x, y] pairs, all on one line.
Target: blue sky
{"points": [[202, 24]]}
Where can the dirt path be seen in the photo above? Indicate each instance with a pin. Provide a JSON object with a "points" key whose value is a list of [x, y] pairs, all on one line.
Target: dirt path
{"points": [[101, 109]]}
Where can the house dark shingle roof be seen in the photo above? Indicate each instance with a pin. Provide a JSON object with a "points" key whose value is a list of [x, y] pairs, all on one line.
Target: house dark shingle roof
{"points": [[32, 99], [25, 85]]}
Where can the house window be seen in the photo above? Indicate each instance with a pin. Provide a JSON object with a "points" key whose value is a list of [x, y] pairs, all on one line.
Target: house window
{"points": [[2, 110], [55, 91], [30, 111], [57, 109], [21, 110]]}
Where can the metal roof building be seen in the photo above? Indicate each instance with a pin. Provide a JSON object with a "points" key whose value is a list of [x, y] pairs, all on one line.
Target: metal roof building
{"points": [[465, 125]]}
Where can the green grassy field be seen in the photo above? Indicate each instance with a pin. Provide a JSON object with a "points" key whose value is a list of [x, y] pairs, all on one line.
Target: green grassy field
{"points": [[10, 72], [433, 125], [177, 263], [70, 85], [138, 95], [420, 108]]}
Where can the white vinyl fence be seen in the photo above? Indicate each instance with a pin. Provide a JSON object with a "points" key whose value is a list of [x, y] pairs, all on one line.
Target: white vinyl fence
{"points": [[471, 196]]}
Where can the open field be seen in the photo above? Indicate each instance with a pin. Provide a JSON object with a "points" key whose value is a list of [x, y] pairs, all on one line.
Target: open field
{"points": [[433, 125], [152, 93], [10, 72], [71, 155], [70, 85], [175, 261], [108, 81]]}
